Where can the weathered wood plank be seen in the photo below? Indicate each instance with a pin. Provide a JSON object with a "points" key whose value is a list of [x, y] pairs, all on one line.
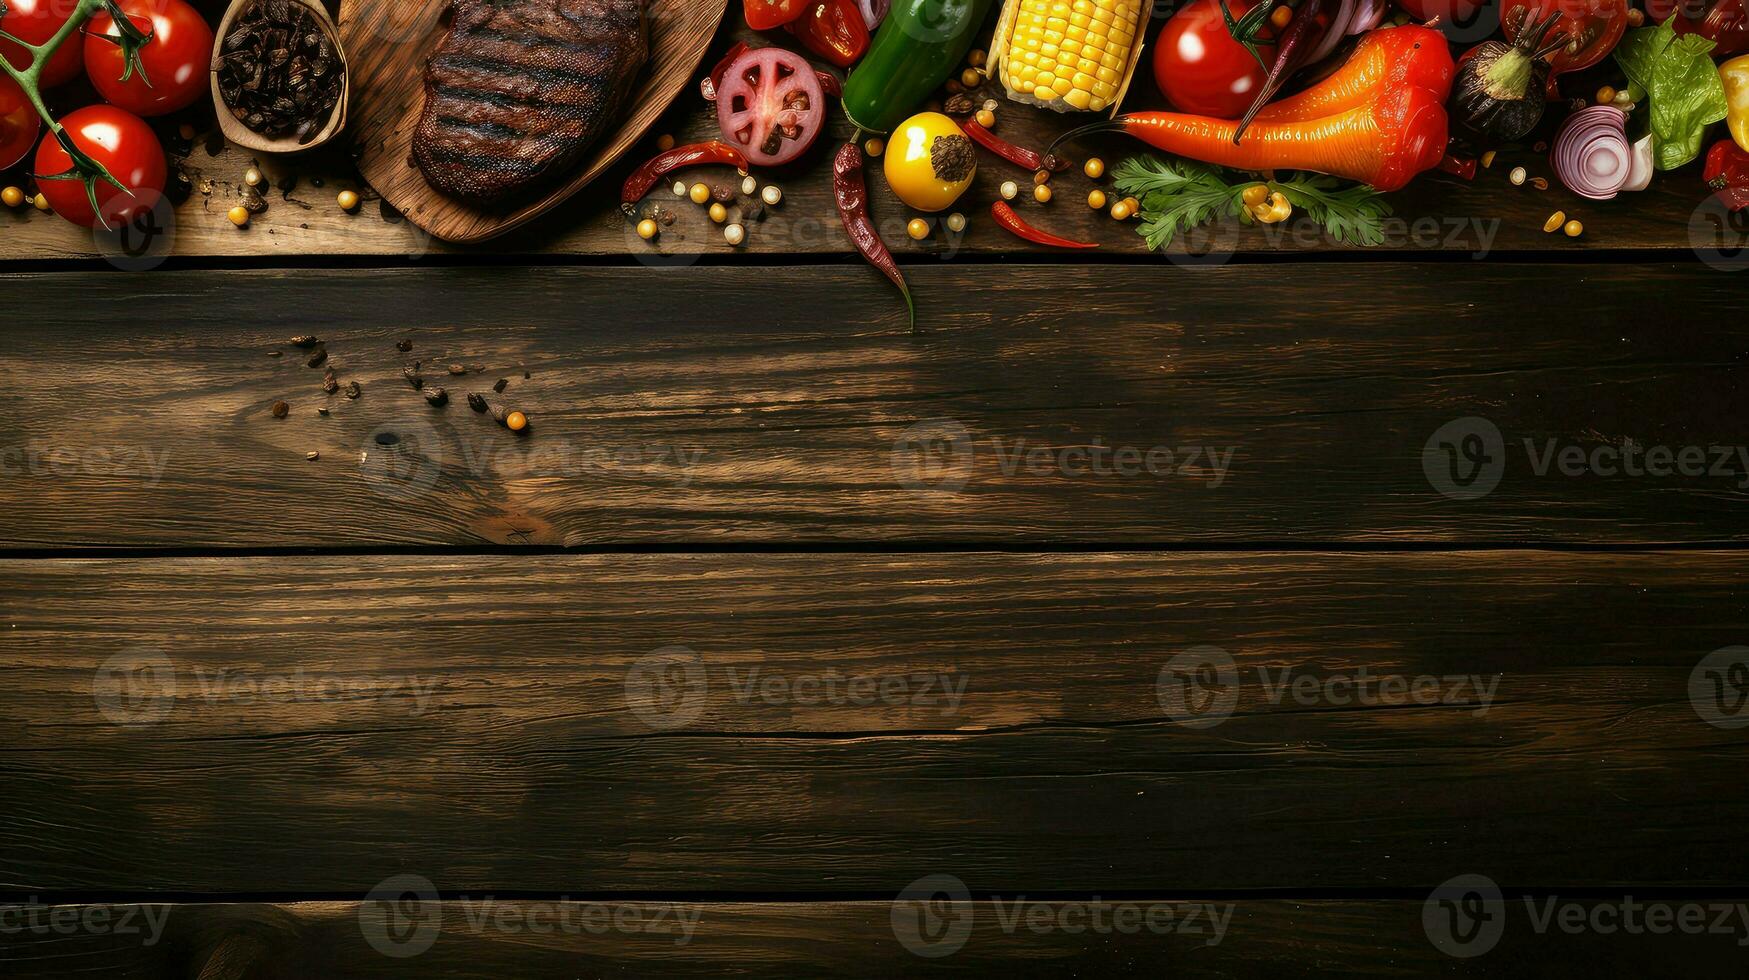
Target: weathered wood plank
{"points": [[1039, 403], [1438, 213], [483, 939], [840, 723]]}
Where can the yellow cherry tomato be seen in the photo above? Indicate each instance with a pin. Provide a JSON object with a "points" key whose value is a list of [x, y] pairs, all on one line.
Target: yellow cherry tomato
{"points": [[929, 161]]}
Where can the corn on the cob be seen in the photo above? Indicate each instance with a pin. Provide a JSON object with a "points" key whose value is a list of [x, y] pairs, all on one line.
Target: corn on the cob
{"points": [[1068, 55]]}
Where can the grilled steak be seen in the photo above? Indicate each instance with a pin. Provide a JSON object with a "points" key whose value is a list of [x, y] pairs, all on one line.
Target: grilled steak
{"points": [[521, 88]]}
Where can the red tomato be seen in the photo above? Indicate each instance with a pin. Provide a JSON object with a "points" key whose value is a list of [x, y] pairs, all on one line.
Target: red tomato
{"points": [[1201, 69], [763, 15], [1591, 29], [19, 123], [119, 140], [33, 22], [175, 65]]}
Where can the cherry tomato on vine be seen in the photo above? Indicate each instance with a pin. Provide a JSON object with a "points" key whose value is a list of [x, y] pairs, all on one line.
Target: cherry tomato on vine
{"points": [[119, 140], [33, 22], [1200, 68], [176, 62], [19, 123]]}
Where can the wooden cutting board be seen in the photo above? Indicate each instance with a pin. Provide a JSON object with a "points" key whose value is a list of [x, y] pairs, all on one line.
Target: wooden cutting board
{"points": [[387, 43]]}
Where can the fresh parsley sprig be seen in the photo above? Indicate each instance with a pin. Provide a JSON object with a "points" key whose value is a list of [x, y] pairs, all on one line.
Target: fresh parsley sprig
{"points": [[1177, 195]]}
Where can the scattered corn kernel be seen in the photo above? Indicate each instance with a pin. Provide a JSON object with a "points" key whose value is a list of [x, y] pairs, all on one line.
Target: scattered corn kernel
{"points": [[348, 200], [1555, 221], [1540, 183], [253, 177], [665, 142], [239, 216], [699, 193], [1488, 158], [1281, 16], [186, 131], [918, 229], [647, 229], [719, 214], [749, 186], [1121, 211], [1635, 17], [734, 234], [975, 57], [12, 197], [1096, 199], [1094, 168], [1517, 176], [956, 222], [971, 78], [1254, 195], [516, 421], [875, 146], [680, 188], [1135, 205], [1042, 193], [1573, 228], [41, 202], [986, 118], [991, 105], [771, 195], [1010, 190], [1041, 177], [1606, 95]]}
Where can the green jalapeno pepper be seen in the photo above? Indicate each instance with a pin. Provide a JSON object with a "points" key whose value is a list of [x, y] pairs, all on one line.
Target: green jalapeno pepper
{"points": [[918, 46]]}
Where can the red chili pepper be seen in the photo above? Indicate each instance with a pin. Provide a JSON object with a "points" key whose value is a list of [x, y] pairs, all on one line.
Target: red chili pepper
{"points": [[714, 80], [709, 84], [1727, 173], [1011, 221], [645, 177], [834, 30], [1020, 156], [1464, 167], [851, 194]]}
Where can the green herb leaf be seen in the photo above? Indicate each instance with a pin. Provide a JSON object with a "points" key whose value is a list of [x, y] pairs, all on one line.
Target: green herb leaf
{"points": [[1355, 213], [1177, 195], [1682, 88]]}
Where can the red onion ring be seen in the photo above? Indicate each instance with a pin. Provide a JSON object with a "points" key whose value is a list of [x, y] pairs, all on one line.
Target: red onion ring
{"points": [[874, 11], [1591, 154]]}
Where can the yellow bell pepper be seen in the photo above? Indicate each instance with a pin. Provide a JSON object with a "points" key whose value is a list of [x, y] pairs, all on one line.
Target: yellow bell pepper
{"points": [[1735, 75]]}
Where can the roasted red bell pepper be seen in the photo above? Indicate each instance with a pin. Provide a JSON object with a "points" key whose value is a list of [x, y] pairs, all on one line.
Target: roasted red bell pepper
{"points": [[1727, 173], [1724, 22], [832, 29]]}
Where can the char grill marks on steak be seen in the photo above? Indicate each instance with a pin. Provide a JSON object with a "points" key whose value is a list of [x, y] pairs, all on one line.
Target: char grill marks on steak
{"points": [[521, 88]]}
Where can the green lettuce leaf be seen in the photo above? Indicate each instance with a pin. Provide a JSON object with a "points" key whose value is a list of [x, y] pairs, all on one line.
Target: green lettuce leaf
{"points": [[1682, 88]]}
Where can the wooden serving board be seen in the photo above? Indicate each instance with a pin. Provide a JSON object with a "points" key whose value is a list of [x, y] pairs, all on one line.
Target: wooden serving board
{"points": [[387, 43]]}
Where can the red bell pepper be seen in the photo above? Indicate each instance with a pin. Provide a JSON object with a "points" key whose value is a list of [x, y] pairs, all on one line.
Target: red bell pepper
{"points": [[833, 30], [1724, 22], [1727, 173]]}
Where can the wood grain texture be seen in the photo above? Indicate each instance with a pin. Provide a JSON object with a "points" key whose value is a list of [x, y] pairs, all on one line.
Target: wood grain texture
{"points": [[489, 940], [1438, 213], [788, 724], [712, 405], [391, 41]]}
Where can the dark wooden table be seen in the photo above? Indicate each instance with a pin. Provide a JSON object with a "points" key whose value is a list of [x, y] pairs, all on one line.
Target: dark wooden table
{"points": [[1270, 606]]}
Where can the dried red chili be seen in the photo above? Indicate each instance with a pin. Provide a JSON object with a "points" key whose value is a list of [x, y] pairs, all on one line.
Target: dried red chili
{"points": [[851, 194], [691, 155], [1020, 156], [1727, 173], [1013, 222]]}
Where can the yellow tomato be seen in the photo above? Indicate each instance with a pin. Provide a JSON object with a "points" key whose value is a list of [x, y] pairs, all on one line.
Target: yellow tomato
{"points": [[930, 161]]}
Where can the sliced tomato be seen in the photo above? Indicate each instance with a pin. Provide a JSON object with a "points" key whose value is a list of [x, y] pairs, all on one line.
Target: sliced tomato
{"points": [[770, 106]]}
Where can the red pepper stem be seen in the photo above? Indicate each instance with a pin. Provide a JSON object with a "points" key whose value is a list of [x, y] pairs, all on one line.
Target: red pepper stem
{"points": [[1117, 125]]}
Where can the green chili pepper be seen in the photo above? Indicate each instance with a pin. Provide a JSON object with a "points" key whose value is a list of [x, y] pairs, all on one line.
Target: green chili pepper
{"points": [[916, 49]]}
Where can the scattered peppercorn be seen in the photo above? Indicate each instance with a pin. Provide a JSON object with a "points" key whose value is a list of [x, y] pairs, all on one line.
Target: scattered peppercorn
{"points": [[413, 377], [436, 396], [280, 409], [330, 383], [664, 142], [476, 401], [403, 345], [354, 389], [320, 355]]}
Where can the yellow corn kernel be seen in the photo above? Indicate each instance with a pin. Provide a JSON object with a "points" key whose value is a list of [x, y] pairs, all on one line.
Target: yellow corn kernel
{"points": [[1070, 54], [1080, 99]]}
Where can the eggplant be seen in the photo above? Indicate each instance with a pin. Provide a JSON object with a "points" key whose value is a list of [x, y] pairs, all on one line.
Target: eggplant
{"points": [[1499, 91]]}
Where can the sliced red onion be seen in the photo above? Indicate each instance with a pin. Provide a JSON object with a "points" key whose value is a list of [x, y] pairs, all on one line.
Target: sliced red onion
{"points": [[1591, 153], [1340, 18], [874, 11], [1368, 14], [1640, 171]]}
